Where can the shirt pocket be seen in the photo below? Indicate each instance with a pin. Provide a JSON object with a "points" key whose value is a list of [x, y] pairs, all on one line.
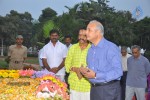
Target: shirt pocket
{"points": [[102, 65], [59, 52]]}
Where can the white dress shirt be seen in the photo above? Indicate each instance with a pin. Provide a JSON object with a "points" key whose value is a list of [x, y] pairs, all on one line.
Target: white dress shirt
{"points": [[124, 62], [55, 55], [40, 60]]}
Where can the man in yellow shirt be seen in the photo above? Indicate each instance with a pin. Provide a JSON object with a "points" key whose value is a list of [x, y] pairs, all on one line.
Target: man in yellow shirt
{"points": [[76, 58]]}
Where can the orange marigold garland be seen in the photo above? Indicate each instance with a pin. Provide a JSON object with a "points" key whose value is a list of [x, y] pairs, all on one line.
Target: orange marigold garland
{"points": [[52, 87]]}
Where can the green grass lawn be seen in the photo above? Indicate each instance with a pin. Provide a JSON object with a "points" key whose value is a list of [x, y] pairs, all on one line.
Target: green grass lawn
{"points": [[30, 60], [3, 64]]}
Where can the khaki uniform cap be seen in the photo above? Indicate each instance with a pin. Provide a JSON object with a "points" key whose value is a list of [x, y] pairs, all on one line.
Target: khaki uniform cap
{"points": [[19, 36]]}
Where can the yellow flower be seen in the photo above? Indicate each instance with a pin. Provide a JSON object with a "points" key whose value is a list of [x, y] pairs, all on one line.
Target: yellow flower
{"points": [[5, 74], [2, 71], [15, 75], [47, 78], [61, 85], [14, 71], [0, 74], [11, 75]]}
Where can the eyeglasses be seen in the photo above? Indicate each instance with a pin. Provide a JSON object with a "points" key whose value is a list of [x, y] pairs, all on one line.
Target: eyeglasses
{"points": [[134, 52]]}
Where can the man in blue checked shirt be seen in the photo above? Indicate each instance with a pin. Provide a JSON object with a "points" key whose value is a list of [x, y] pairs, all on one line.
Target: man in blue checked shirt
{"points": [[104, 65]]}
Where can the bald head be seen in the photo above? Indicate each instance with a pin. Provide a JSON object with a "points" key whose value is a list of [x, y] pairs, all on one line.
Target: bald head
{"points": [[99, 26], [94, 31]]}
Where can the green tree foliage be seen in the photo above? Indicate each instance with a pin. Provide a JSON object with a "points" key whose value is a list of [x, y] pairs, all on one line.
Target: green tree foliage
{"points": [[142, 31], [69, 25], [37, 33], [49, 25], [3, 30], [47, 14], [16, 23], [41, 29], [119, 26]]}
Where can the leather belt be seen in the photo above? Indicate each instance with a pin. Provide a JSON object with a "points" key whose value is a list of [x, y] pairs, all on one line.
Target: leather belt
{"points": [[101, 84], [17, 62]]}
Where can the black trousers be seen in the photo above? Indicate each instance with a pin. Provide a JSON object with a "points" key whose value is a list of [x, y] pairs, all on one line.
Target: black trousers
{"points": [[123, 84], [66, 79], [106, 92]]}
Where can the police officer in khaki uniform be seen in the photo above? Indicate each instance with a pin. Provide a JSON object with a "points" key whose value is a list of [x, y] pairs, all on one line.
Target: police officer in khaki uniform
{"points": [[17, 54]]}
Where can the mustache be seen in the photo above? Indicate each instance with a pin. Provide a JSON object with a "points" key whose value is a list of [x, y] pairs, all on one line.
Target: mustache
{"points": [[81, 39]]}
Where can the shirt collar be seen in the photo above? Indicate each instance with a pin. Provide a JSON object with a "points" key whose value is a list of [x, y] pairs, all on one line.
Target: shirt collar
{"points": [[86, 47], [69, 45], [16, 45], [56, 42], [138, 57], [100, 44]]}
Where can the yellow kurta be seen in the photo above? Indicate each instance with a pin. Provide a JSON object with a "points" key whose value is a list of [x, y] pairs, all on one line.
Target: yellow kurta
{"points": [[77, 58]]}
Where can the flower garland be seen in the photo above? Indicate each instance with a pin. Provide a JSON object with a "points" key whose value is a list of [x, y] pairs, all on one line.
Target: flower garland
{"points": [[16, 73], [15, 87], [26, 73], [18, 89], [52, 87], [9, 74]]}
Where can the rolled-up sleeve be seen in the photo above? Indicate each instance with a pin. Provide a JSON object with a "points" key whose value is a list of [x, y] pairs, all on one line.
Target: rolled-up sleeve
{"points": [[43, 53]]}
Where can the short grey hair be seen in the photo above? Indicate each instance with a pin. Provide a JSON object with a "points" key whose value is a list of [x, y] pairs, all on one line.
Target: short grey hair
{"points": [[124, 48], [136, 47], [99, 26]]}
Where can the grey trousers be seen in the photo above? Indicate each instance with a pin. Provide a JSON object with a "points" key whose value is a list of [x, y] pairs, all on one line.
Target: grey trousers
{"points": [[140, 93], [106, 92]]}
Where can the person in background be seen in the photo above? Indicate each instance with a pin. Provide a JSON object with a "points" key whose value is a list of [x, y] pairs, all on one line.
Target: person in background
{"points": [[124, 58], [148, 87], [68, 41], [104, 65], [76, 58], [17, 54], [54, 54], [39, 53], [138, 70]]}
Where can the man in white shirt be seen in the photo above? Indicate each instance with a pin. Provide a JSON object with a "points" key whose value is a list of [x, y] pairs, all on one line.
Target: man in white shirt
{"points": [[40, 52], [54, 54], [124, 58], [40, 59]]}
